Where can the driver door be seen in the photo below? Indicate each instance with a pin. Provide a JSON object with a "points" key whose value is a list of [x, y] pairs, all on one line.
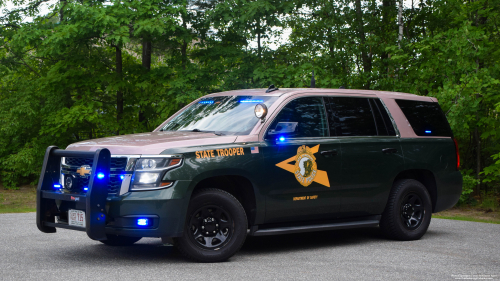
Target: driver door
{"points": [[302, 164]]}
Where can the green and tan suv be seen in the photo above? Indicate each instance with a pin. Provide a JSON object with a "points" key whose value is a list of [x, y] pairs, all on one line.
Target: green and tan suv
{"points": [[259, 162]]}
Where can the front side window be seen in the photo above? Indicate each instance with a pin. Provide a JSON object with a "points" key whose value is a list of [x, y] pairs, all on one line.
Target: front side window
{"points": [[229, 115], [301, 118]]}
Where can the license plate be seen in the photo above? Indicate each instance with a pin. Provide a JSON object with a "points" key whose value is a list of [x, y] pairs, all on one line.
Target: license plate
{"points": [[76, 218]]}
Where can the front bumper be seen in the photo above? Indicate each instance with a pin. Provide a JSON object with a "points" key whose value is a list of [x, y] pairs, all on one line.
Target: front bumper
{"points": [[167, 208], [108, 214]]}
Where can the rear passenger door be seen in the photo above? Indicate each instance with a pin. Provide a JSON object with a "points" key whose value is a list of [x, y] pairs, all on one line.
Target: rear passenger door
{"points": [[371, 153]]}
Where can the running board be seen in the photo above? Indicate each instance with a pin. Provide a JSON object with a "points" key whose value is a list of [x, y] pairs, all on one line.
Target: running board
{"points": [[317, 227]]}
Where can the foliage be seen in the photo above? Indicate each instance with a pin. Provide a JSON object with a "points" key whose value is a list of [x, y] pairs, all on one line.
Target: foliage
{"points": [[90, 68], [469, 183]]}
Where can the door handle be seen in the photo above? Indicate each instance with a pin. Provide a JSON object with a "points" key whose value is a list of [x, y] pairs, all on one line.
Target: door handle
{"points": [[327, 153], [389, 150]]}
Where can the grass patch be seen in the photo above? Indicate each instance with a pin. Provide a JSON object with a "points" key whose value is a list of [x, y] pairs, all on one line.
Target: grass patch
{"points": [[22, 200], [464, 218], [469, 214]]}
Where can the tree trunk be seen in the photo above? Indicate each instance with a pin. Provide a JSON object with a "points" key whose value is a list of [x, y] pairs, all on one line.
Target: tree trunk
{"points": [[184, 44], [331, 46], [478, 158], [62, 3], [119, 93], [146, 64], [400, 23], [367, 63], [146, 54], [386, 29], [259, 50]]}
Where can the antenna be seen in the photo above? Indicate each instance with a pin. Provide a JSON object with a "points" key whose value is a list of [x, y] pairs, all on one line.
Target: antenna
{"points": [[271, 88]]}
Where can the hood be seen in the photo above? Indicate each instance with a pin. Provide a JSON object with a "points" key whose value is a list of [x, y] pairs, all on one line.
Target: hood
{"points": [[151, 143]]}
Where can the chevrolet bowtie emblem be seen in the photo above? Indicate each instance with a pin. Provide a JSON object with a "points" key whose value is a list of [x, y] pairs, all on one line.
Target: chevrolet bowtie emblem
{"points": [[84, 170]]}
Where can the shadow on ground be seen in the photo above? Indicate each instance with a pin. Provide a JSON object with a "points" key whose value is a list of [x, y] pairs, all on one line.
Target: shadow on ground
{"points": [[151, 250]]}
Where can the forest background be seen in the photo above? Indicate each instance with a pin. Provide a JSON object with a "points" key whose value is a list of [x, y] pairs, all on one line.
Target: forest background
{"points": [[76, 69]]}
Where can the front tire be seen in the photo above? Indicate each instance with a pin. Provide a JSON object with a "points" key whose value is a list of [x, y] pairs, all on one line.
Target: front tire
{"points": [[408, 212], [118, 240], [215, 228]]}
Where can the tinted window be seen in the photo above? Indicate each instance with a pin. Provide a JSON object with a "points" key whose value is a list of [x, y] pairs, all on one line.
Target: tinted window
{"points": [[426, 118], [383, 121], [305, 117], [350, 117]]}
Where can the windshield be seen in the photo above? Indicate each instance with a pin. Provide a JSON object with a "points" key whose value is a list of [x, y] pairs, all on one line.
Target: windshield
{"points": [[228, 115]]}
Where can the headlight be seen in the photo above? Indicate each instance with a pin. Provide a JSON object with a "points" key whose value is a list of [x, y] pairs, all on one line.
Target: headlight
{"points": [[157, 163], [149, 171]]}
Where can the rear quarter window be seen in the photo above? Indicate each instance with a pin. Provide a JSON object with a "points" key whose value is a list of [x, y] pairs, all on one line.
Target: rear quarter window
{"points": [[426, 118]]}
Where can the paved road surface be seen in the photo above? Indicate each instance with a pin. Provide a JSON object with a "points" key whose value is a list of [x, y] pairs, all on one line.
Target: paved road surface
{"points": [[449, 250]]}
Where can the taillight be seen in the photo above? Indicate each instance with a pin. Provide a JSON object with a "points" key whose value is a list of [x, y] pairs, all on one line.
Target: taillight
{"points": [[458, 154]]}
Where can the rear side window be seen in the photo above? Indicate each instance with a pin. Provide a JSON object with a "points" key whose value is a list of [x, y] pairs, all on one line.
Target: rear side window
{"points": [[426, 118], [350, 117]]}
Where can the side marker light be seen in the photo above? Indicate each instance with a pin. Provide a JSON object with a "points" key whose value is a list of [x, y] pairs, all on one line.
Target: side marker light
{"points": [[57, 186], [428, 132]]}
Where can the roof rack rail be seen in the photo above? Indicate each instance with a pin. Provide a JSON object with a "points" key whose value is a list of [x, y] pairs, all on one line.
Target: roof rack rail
{"points": [[271, 88]]}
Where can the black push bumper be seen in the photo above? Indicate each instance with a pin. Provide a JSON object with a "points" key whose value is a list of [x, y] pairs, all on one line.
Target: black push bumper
{"points": [[93, 202]]}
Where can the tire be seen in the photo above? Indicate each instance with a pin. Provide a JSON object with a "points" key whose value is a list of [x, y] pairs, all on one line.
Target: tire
{"points": [[117, 240], [408, 212], [215, 228]]}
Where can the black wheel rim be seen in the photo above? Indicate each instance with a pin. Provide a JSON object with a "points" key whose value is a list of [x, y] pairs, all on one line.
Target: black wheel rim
{"points": [[412, 211], [210, 227]]}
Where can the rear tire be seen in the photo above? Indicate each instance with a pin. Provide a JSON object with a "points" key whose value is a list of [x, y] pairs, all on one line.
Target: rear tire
{"points": [[215, 229], [117, 240], [408, 212]]}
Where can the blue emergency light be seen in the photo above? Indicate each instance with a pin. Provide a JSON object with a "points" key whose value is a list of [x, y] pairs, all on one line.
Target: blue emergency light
{"points": [[256, 101], [142, 222]]}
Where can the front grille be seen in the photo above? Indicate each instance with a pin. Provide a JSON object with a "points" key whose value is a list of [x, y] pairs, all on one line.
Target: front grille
{"points": [[71, 164]]}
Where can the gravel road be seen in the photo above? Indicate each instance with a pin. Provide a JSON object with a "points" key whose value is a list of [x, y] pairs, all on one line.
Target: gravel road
{"points": [[450, 250]]}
